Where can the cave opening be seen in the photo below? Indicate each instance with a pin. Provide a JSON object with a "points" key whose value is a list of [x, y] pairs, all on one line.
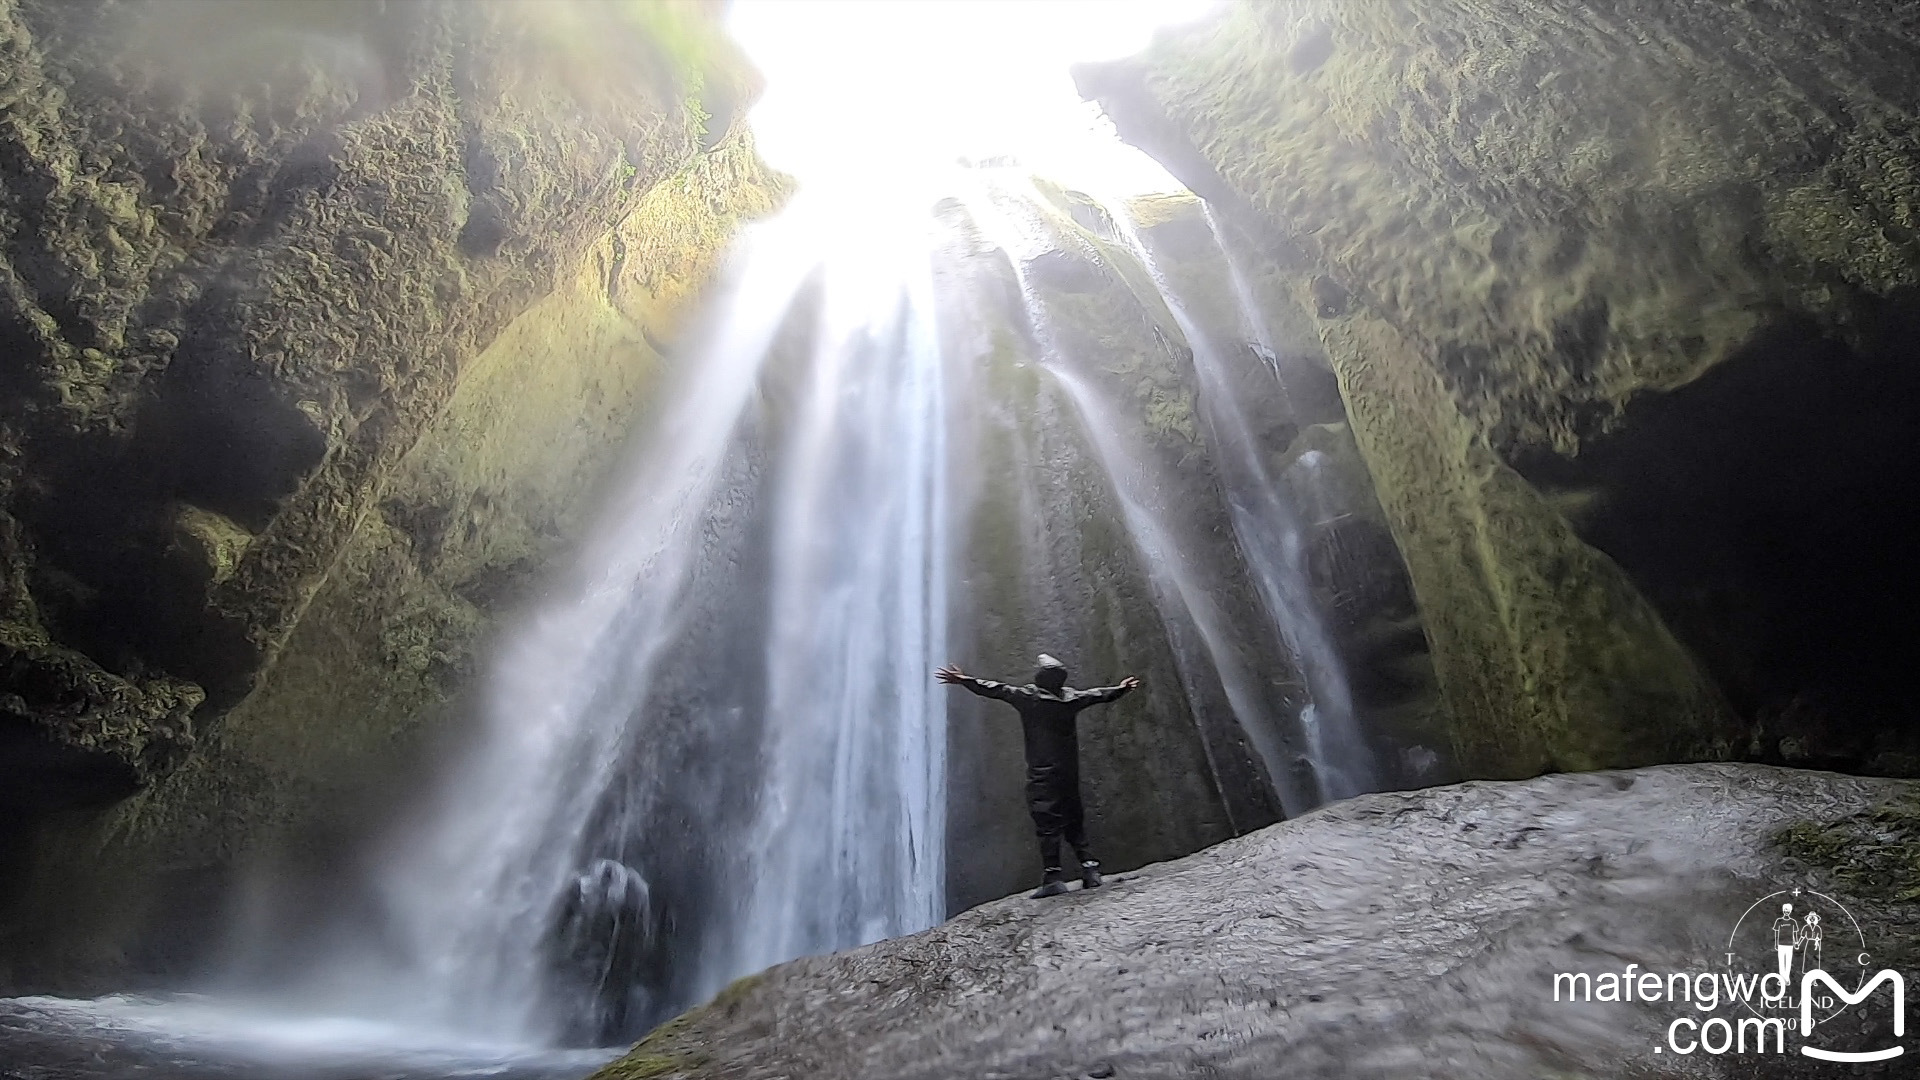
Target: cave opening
{"points": [[1766, 510], [496, 551]]}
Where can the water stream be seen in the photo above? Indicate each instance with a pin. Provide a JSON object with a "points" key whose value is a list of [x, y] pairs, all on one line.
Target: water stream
{"points": [[471, 889], [1253, 320], [848, 845], [1269, 531], [1205, 644], [628, 839], [716, 744]]}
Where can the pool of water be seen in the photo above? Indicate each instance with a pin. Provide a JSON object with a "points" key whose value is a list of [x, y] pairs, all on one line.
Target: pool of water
{"points": [[193, 1038]]}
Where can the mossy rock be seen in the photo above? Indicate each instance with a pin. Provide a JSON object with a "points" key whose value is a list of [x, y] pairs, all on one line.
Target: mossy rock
{"points": [[1872, 860], [674, 1048], [211, 543], [451, 244], [1509, 222], [1875, 855]]}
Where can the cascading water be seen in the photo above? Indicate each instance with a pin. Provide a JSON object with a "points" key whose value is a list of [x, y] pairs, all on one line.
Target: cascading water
{"points": [[551, 892], [1259, 333], [472, 891], [848, 844], [555, 880], [1269, 533], [1185, 599], [716, 744]]}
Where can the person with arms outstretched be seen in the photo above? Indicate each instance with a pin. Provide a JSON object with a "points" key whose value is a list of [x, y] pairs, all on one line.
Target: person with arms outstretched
{"points": [[1048, 708]]}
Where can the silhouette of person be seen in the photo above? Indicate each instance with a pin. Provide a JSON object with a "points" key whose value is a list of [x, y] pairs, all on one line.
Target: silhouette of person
{"points": [[1810, 943], [1048, 708], [1786, 938]]}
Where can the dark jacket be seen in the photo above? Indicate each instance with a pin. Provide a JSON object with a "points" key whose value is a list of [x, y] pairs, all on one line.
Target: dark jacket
{"points": [[1047, 719]]}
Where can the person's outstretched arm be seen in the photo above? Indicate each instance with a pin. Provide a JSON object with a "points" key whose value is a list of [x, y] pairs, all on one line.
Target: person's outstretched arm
{"points": [[984, 687], [1103, 694]]}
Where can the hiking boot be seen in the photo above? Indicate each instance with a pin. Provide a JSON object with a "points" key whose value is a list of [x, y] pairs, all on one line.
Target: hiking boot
{"points": [[1053, 884], [1090, 875]]}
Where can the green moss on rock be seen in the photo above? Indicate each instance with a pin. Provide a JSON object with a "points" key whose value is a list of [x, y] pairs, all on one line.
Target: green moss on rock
{"points": [[211, 543], [357, 345], [1512, 218], [1871, 859], [1548, 655], [1875, 854], [674, 1048], [495, 489]]}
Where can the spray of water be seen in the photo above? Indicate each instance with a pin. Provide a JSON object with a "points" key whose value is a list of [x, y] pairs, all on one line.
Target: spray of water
{"points": [[1270, 535], [528, 896], [640, 818], [849, 844], [471, 889], [1185, 598]]}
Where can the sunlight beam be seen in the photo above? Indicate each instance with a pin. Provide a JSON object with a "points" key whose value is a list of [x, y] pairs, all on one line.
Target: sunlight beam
{"points": [[901, 91]]}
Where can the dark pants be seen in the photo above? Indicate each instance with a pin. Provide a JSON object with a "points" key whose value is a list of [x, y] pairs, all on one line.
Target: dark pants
{"points": [[1053, 798]]}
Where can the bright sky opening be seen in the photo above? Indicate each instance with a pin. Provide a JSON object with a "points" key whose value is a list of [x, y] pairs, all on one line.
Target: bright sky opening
{"points": [[904, 89]]}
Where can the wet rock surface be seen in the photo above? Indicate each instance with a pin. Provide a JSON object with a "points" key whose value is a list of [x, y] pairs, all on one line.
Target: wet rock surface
{"points": [[1534, 235], [320, 328], [1055, 531], [1392, 935], [239, 277]]}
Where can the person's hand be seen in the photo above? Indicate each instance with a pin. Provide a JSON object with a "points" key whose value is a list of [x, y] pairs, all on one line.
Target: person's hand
{"points": [[1129, 683], [950, 674]]}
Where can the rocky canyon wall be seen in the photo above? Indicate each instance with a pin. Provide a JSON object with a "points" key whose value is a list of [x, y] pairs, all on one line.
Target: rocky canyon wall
{"points": [[1084, 512], [1621, 297], [319, 326]]}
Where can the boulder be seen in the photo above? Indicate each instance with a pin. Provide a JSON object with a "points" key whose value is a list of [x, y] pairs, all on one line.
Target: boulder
{"points": [[1411, 934]]}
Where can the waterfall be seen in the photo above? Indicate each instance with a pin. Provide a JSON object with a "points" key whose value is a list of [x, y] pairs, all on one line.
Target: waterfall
{"points": [[716, 744], [635, 825], [1253, 320], [1269, 533], [472, 890], [1185, 596], [848, 845]]}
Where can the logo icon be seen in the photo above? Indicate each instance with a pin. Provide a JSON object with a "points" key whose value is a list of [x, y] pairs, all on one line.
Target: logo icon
{"points": [[1799, 956]]}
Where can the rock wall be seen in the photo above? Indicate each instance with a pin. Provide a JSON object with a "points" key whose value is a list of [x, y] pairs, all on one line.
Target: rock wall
{"points": [[320, 324], [1047, 565], [1280, 373], [1576, 265], [1050, 560]]}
